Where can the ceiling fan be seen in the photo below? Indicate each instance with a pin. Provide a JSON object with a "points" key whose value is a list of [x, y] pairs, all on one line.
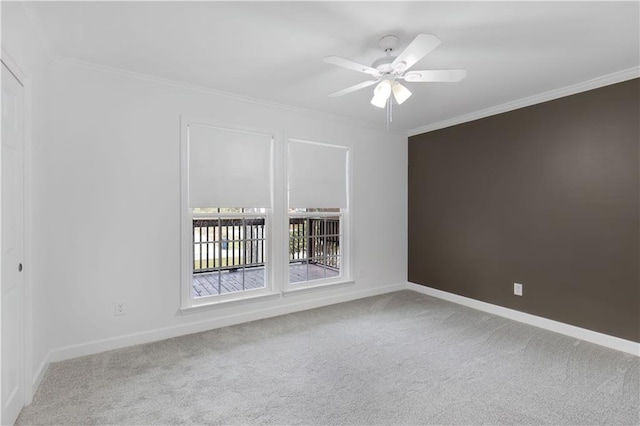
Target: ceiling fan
{"points": [[388, 70]]}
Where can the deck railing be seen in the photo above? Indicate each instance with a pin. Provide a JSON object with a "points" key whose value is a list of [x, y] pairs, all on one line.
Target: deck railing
{"points": [[228, 243], [315, 239], [232, 243]]}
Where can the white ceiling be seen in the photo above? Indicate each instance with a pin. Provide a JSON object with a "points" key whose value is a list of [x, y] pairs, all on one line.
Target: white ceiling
{"points": [[274, 50]]}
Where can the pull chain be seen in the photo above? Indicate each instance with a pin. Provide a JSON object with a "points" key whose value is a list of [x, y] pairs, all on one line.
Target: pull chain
{"points": [[389, 112]]}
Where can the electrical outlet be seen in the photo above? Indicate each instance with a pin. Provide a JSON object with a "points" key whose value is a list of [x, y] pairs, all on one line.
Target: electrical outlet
{"points": [[517, 289], [120, 308]]}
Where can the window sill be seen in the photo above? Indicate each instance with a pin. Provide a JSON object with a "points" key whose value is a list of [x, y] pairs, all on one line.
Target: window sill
{"points": [[207, 306], [317, 287]]}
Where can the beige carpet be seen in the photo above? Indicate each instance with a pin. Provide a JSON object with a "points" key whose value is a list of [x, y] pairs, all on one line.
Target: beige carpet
{"points": [[401, 358]]}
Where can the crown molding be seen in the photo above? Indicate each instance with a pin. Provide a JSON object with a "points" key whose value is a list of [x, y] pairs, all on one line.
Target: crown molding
{"points": [[221, 93], [613, 78]]}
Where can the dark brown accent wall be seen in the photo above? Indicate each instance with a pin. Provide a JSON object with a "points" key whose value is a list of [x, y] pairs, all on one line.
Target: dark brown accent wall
{"points": [[547, 196]]}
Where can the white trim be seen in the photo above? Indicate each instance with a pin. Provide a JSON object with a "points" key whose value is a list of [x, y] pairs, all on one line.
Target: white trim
{"points": [[281, 212], [323, 285], [203, 122], [214, 302], [217, 92], [216, 215], [601, 339], [347, 222], [38, 375], [186, 247], [315, 214], [327, 144], [102, 345], [605, 80]]}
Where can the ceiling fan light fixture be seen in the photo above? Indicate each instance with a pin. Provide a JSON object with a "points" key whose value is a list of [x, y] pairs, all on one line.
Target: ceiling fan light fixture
{"points": [[400, 93], [379, 101], [381, 93]]}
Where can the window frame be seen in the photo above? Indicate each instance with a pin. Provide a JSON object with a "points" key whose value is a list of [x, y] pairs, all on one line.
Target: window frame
{"points": [[346, 274], [188, 303]]}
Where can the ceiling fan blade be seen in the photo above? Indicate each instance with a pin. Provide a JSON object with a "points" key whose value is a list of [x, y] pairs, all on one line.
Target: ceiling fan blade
{"points": [[353, 88], [345, 63], [417, 49], [444, 76]]}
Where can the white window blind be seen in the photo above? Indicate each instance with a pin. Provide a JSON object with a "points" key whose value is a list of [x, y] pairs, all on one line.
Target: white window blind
{"points": [[229, 168], [317, 175]]}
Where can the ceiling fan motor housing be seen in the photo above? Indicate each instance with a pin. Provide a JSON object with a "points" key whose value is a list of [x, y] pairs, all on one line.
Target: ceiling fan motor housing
{"points": [[384, 64]]}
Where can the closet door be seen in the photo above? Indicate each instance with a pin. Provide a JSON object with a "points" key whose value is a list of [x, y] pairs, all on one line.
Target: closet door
{"points": [[12, 392]]}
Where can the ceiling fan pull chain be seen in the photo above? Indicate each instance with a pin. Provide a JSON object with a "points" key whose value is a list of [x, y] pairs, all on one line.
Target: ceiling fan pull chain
{"points": [[387, 115]]}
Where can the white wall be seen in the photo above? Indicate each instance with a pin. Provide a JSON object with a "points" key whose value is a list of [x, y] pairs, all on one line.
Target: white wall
{"points": [[22, 47], [108, 194]]}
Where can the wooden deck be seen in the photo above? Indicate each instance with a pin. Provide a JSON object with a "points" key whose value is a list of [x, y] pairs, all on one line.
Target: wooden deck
{"points": [[206, 284]]}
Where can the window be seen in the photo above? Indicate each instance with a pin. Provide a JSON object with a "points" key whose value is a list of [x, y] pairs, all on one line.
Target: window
{"points": [[236, 208], [229, 251], [314, 244], [226, 214], [318, 206]]}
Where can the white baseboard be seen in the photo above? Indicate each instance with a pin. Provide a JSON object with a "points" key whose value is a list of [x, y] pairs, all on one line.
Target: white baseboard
{"points": [[97, 346], [38, 375], [601, 339]]}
